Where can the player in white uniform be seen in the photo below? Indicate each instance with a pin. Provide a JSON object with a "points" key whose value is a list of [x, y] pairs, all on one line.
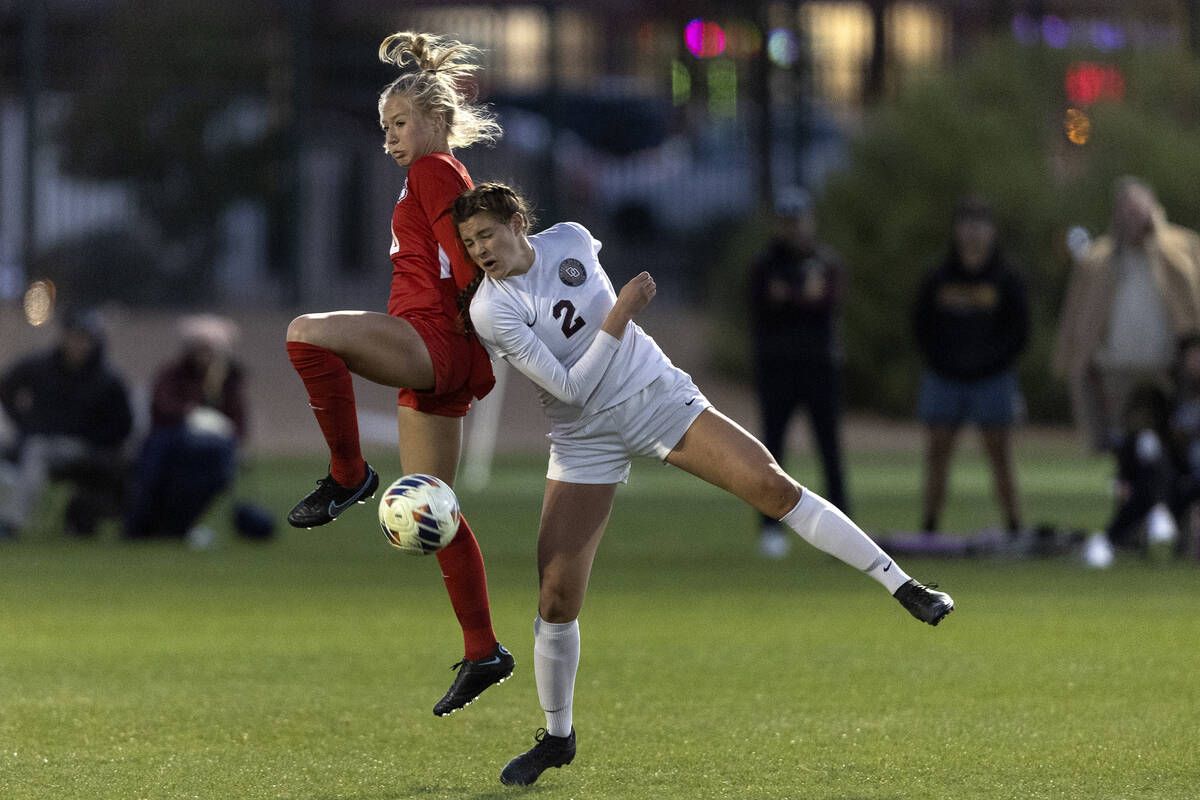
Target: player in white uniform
{"points": [[547, 307]]}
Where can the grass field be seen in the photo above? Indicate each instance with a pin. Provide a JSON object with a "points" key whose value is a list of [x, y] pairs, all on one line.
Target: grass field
{"points": [[307, 668]]}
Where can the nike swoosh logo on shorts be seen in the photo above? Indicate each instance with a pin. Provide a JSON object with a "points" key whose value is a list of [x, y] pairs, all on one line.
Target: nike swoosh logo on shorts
{"points": [[689, 402]]}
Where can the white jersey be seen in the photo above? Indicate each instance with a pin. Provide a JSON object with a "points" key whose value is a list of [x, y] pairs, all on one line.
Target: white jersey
{"points": [[546, 324]]}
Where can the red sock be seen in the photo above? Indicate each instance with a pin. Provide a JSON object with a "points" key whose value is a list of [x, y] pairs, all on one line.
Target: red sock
{"points": [[331, 397], [466, 581]]}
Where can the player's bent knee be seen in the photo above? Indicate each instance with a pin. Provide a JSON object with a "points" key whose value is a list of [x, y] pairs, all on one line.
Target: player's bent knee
{"points": [[556, 605], [302, 329], [779, 494]]}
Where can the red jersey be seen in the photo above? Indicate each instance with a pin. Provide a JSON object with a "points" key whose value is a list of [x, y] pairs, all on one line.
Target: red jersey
{"points": [[429, 266], [428, 263]]}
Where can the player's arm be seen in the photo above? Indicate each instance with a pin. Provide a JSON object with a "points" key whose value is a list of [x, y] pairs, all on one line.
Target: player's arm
{"points": [[507, 335], [461, 267], [439, 187], [634, 296]]}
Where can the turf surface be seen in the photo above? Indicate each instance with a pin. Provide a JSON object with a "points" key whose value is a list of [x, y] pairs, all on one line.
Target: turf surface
{"points": [[307, 668]]}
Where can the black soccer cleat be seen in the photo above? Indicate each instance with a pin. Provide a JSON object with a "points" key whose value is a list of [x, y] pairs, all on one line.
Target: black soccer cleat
{"points": [[330, 498], [550, 751], [473, 677], [923, 602]]}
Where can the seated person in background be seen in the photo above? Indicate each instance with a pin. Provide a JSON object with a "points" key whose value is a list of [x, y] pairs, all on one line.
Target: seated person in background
{"points": [[1185, 432], [71, 414], [197, 421], [1145, 473]]}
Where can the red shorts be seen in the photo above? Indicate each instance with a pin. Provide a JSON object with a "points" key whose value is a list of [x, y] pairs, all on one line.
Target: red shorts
{"points": [[461, 371]]}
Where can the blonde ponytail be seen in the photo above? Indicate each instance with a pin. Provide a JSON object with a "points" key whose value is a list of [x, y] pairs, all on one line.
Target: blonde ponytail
{"points": [[433, 71]]}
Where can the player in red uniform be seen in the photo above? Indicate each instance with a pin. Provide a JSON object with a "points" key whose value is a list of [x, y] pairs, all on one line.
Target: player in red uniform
{"points": [[420, 346]]}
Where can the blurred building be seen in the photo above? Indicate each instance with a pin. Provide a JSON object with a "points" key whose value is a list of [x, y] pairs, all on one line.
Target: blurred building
{"points": [[648, 121]]}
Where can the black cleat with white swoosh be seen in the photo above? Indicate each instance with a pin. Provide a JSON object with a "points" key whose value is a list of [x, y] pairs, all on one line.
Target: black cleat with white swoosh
{"points": [[330, 498], [473, 677]]}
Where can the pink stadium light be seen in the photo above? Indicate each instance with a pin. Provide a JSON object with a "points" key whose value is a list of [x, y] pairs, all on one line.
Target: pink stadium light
{"points": [[704, 39]]}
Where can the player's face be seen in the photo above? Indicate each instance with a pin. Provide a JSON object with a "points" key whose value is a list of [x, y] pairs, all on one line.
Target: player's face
{"points": [[499, 248], [407, 133]]}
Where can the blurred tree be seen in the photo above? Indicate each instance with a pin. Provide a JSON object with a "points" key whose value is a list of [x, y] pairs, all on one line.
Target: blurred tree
{"points": [[994, 126], [190, 103]]}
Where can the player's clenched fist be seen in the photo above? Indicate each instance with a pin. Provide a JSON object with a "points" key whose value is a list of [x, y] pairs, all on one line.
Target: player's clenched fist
{"points": [[637, 294]]}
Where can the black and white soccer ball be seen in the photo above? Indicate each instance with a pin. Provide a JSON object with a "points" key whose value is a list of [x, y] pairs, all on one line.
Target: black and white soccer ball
{"points": [[419, 514]]}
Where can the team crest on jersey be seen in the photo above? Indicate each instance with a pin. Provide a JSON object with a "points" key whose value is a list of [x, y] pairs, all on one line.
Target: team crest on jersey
{"points": [[571, 272]]}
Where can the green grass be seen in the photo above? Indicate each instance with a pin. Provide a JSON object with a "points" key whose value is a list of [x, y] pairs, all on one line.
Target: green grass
{"points": [[307, 668]]}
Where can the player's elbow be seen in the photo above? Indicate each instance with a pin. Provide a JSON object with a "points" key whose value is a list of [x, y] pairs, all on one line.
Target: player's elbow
{"points": [[574, 394]]}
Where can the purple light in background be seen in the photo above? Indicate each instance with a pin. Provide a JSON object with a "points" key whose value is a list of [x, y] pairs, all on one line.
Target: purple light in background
{"points": [[693, 35], [704, 39], [1107, 36], [782, 48], [1025, 29], [1056, 31]]}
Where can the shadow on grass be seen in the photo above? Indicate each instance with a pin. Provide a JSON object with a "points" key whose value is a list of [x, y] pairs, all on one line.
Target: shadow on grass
{"points": [[500, 793]]}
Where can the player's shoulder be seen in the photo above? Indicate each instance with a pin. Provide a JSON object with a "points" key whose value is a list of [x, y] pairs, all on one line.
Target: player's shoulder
{"points": [[491, 304], [575, 229], [564, 234], [439, 167]]}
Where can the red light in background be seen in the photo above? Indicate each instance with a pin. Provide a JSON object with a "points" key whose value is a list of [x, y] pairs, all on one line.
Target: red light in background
{"points": [[704, 39], [743, 39], [1088, 82]]}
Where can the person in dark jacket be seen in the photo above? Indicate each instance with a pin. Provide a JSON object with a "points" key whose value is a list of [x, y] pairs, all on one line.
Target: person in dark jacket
{"points": [[197, 420], [971, 321], [796, 289], [71, 415]]}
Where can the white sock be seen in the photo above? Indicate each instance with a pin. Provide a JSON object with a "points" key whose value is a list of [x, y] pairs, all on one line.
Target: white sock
{"points": [[825, 527], [555, 662]]}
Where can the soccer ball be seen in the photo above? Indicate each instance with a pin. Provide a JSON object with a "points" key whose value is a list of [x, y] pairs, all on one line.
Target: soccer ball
{"points": [[419, 514]]}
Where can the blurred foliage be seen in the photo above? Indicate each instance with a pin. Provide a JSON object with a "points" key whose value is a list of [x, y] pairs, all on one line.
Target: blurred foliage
{"points": [[113, 267], [993, 125], [187, 103]]}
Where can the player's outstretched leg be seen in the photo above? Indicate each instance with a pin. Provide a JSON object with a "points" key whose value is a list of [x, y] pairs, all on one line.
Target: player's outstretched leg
{"points": [[473, 677], [923, 602], [825, 527], [330, 498], [550, 751]]}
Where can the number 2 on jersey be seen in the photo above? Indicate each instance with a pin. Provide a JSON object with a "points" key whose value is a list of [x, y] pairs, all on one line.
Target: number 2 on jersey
{"points": [[570, 323]]}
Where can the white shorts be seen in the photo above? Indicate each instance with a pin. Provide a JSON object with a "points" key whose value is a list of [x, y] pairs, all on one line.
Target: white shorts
{"points": [[600, 447]]}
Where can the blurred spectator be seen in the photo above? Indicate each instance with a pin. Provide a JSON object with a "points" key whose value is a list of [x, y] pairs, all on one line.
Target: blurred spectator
{"points": [[71, 414], [1145, 473], [1131, 294], [796, 289], [1185, 439], [197, 421], [971, 320]]}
